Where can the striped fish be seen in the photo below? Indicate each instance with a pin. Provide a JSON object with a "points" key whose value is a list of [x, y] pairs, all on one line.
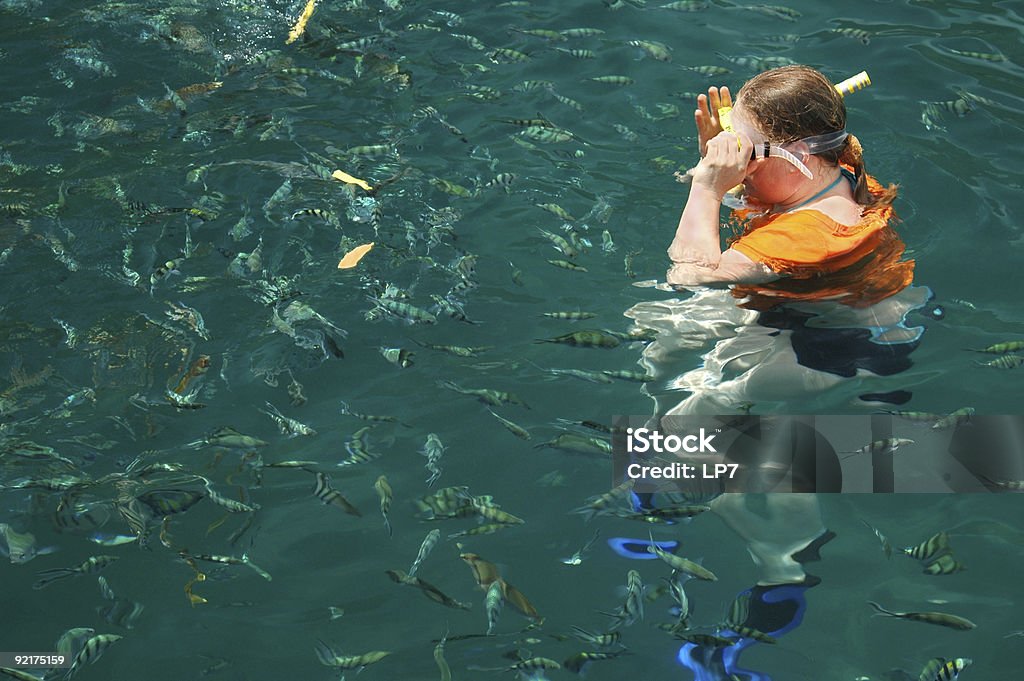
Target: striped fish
{"points": [[316, 212], [120, 611], [933, 546], [686, 5], [495, 514], [428, 589], [230, 504], [603, 640], [73, 516], [91, 651], [705, 70], [581, 32], [886, 546], [682, 564], [357, 449], [635, 376], [587, 338], [534, 663], [490, 528], [428, 544], [578, 662], [405, 311], [505, 54], [328, 657], [546, 135], [513, 428], [503, 180], [170, 501], [137, 516], [633, 607], [656, 50], [577, 53], [856, 33], [92, 565], [945, 564], [571, 315], [442, 664], [332, 497], [386, 495], [706, 640], [1004, 362], [568, 101], [961, 415], [1002, 348], [72, 640], [941, 669], [940, 618], [493, 601], [984, 56]]}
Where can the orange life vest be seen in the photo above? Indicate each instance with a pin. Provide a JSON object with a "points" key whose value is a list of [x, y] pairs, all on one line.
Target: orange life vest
{"points": [[821, 259]]}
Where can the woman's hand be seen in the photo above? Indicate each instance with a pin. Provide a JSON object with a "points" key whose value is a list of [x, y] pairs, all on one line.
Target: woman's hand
{"points": [[706, 115], [724, 165]]}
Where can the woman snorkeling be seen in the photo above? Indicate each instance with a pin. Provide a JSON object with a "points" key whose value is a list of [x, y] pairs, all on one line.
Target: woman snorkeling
{"points": [[825, 292], [821, 229], [814, 257]]}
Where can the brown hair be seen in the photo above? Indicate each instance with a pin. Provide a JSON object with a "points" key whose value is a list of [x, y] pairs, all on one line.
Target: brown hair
{"points": [[793, 102]]}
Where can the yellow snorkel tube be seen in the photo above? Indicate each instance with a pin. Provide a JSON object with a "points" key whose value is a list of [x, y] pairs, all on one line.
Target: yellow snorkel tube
{"points": [[853, 83]]}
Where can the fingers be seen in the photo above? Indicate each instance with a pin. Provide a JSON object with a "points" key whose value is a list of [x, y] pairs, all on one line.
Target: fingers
{"points": [[714, 98], [727, 142], [702, 103], [746, 146], [704, 116], [714, 150], [729, 149]]}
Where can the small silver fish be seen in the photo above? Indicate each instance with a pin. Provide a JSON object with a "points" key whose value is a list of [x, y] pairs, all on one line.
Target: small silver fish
{"points": [[20, 548], [577, 558], [429, 542], [287, 426], [633, 607], [492, 604]]}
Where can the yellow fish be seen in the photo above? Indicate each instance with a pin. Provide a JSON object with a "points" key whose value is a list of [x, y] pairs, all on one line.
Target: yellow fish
{"points": [[345, 177], [300, 25], [352, 258]]}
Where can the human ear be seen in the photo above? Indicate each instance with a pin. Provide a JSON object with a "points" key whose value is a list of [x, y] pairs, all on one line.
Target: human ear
{"points": [[800, 150]]}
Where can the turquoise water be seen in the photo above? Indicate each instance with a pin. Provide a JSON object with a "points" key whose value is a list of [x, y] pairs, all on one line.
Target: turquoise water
{"points": [[104, 179]]}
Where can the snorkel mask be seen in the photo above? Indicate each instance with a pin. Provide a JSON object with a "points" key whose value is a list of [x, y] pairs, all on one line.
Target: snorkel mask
{"points": [[812, 145], [808, 145]]}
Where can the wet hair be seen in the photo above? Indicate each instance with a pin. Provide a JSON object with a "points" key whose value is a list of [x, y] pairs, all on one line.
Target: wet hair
{"points": [[793, 102]]}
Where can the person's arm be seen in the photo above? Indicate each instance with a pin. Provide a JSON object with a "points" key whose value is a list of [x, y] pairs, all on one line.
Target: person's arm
{"points": [[696, 240], [693, 242], [732, 268]]}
